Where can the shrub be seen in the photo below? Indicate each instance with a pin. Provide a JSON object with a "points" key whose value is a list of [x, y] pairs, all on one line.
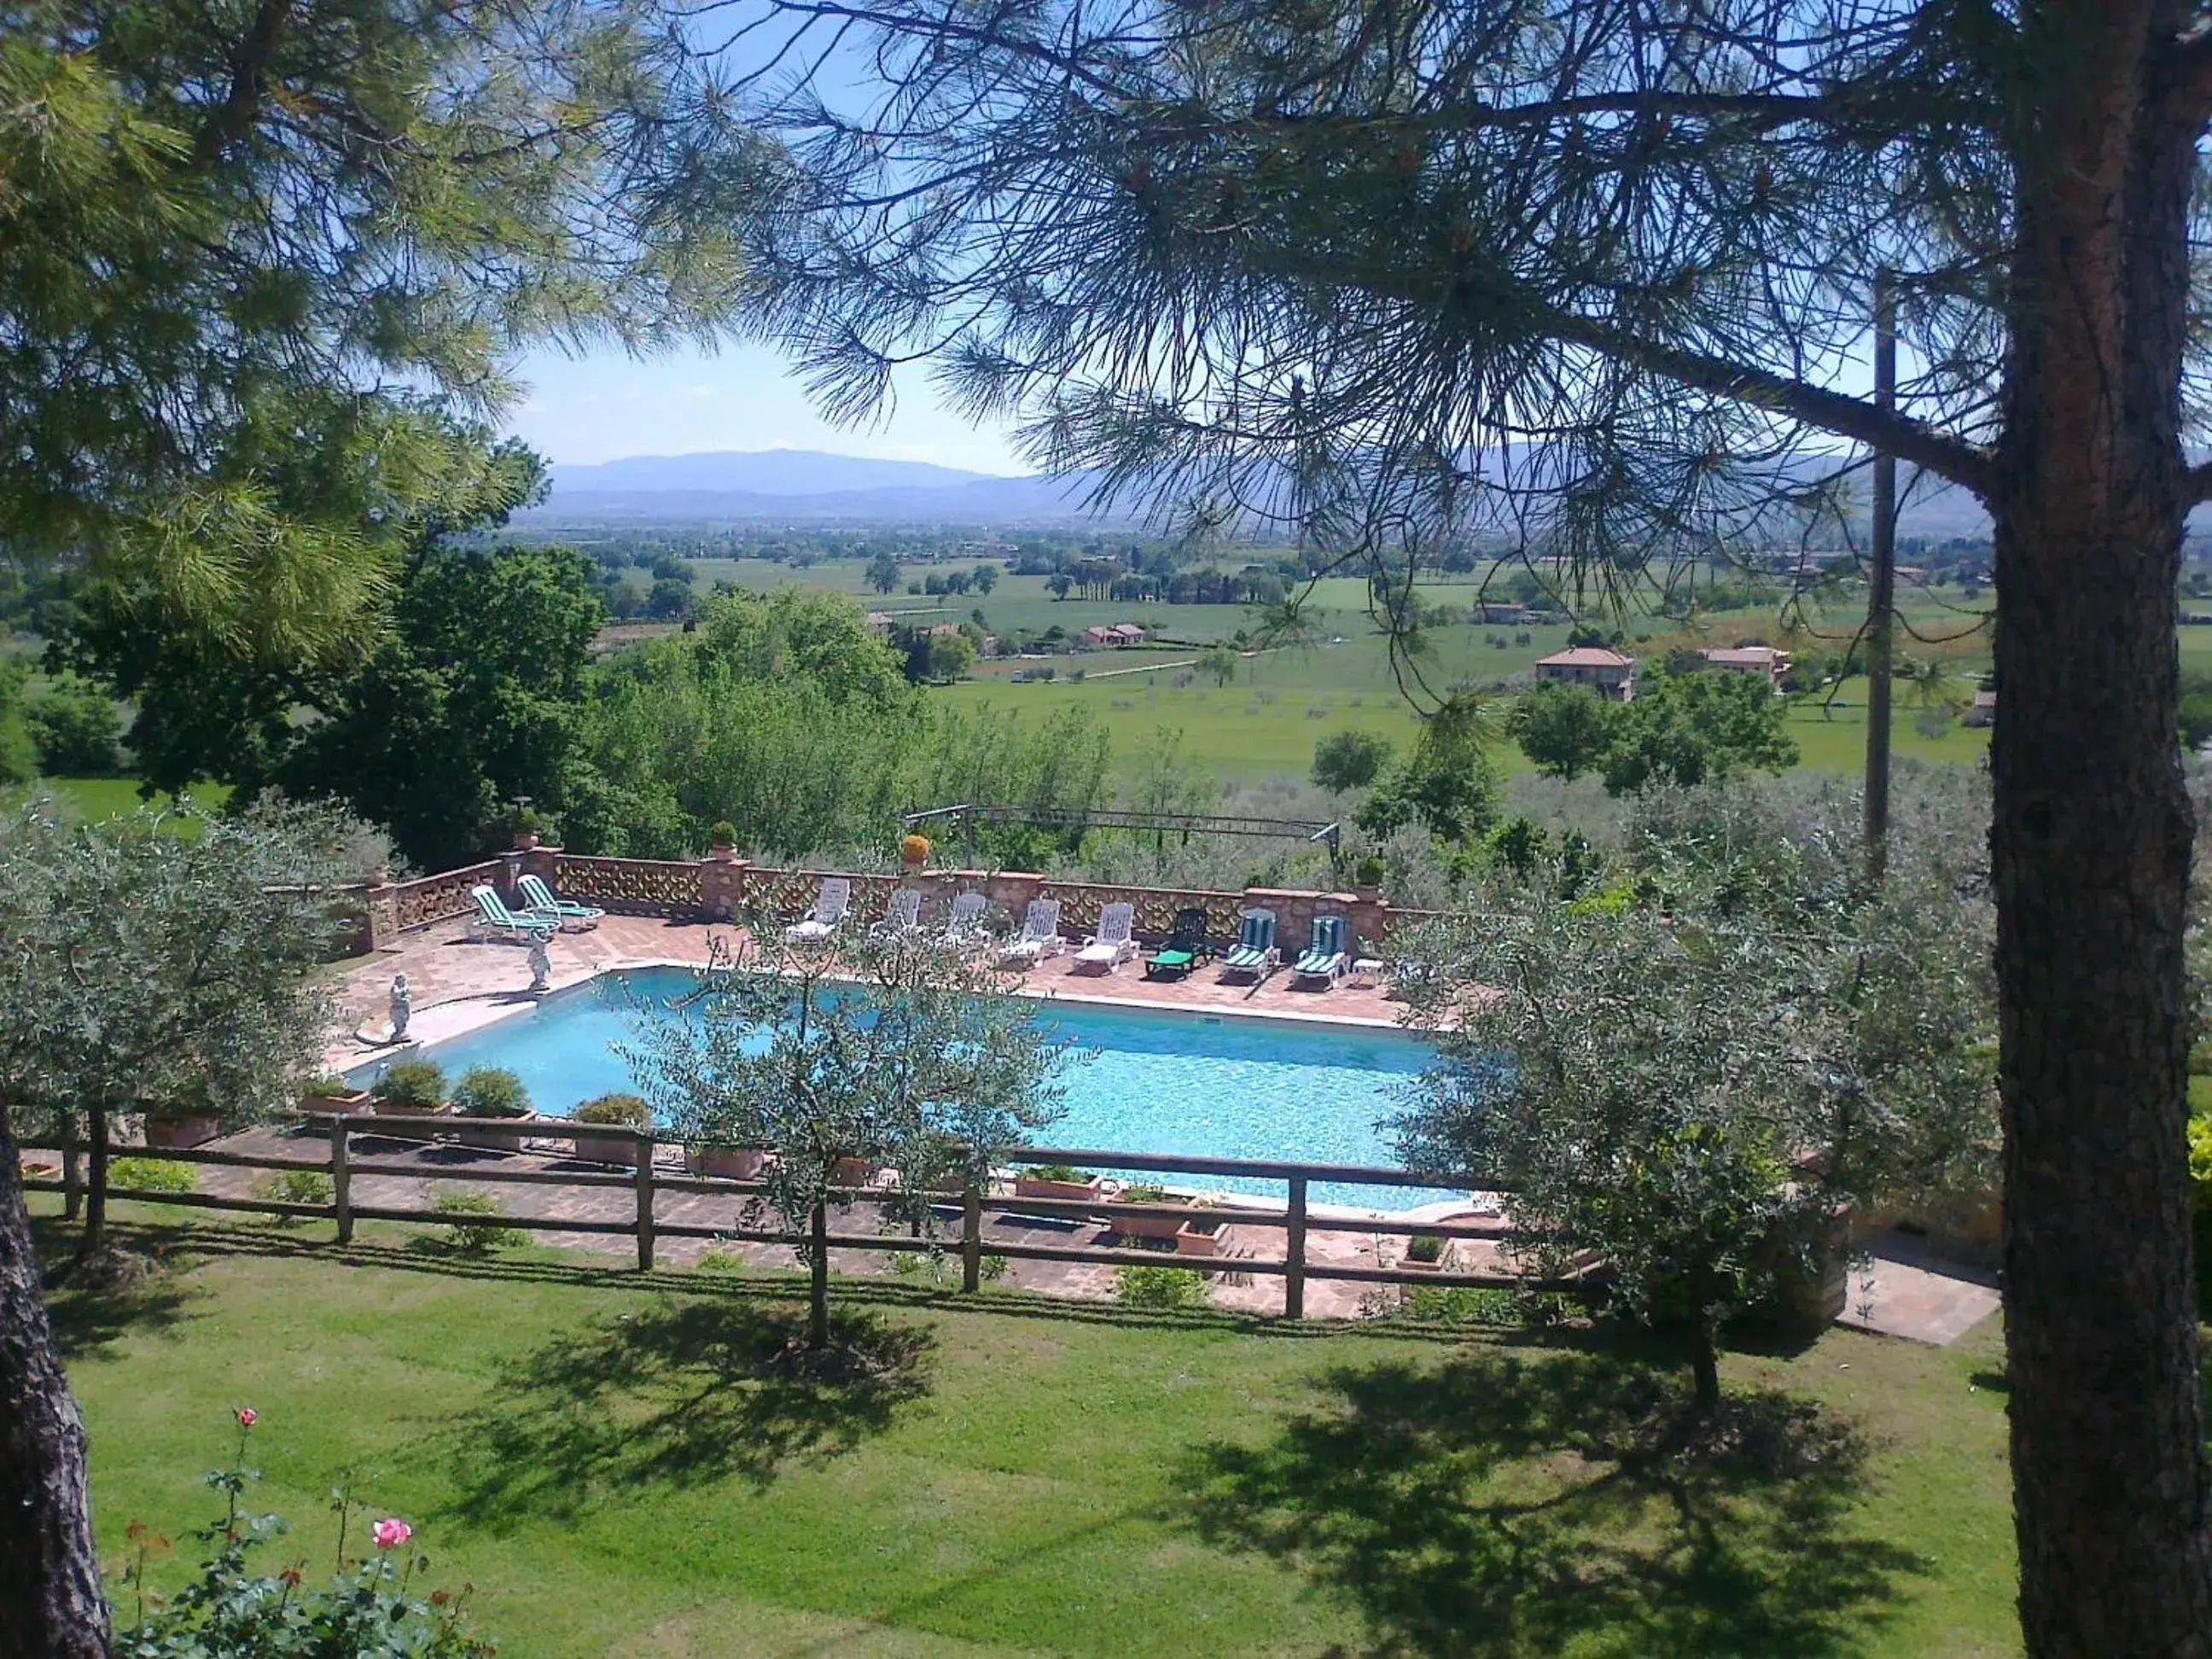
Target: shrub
{"points": [[476, 1229], [1425, 1247], [295, 1187], [991, 1267], [1163, 1289], [417, 1085], [74, 729], [722, 833], [328, 1084], [152, 1175], [1464, 1304], [526, 821], [1056, 1172], [491, 1091], [630, 1111], [2200, 1175], [1143, 1193], [915, 849], [716, 1260], [1368, 873]]}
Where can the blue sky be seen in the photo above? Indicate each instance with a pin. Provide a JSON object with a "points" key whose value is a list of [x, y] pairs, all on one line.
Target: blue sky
{"points": [[605, 405]]}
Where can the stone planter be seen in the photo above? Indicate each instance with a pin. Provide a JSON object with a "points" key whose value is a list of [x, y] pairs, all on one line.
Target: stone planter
{"points": [[1165, 1228], [1075, 1192], [1199, 1235], [726, 1162], [526, 841], [181, 1131], [396, 1108], [607, 1146], [496, 1140], [355, 1100], [1421, 1266]]}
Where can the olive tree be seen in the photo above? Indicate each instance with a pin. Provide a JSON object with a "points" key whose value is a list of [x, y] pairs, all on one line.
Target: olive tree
{"points": [[1696, 1082], [137, 966], [860, 1052]]}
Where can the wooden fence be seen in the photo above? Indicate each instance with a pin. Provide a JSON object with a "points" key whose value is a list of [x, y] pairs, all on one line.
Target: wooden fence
{"points": [[974, 1203]]}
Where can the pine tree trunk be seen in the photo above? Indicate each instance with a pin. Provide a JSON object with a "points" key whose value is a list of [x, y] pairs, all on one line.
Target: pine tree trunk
{"points": [[2091, 850], [1704, 1358], [50, 1599]]}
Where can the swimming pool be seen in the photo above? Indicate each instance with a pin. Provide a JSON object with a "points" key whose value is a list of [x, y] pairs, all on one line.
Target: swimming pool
{"points": [[1155, 1082]]}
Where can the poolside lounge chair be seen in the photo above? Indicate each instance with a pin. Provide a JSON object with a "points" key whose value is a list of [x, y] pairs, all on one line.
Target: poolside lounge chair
{"points": [[1111, 945], [1253, 956], [540, 901], [1185, 946], [493, 920], [828, 910], [1040, 935], [902, 918], [965, 919], [1326, 957]]}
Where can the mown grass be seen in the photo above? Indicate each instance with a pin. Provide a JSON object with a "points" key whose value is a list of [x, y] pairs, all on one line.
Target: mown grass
{"points": [[625, 1465], [93, 799]]}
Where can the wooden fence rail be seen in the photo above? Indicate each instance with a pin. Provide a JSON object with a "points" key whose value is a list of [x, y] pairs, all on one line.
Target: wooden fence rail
{"points": [[969, 1205]]}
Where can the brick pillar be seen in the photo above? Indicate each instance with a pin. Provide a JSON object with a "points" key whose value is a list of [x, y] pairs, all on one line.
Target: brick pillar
{"points": [[722, 883]]}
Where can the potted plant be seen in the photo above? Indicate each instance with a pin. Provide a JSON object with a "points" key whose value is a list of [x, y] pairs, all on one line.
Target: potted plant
{"points": [[612, 1111], [914, 851], [527, 826], [1425, 1252], [489, 1092], [726, 1162], [1199, 1235], [1055, 1181], [1161, 1227], [411, 1088], [721, 840], [181, 1128], [331, 1093], [851, 1172], [1367, 879]]}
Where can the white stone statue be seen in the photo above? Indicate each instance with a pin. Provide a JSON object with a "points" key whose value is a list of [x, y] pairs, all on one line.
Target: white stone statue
{"points": [[402, 1004], [541, 963]]}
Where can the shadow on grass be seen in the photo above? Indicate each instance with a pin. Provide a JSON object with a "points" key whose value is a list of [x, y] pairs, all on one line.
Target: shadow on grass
{"points": [[89, 1313], [679, 1394], [1493, 1506]]}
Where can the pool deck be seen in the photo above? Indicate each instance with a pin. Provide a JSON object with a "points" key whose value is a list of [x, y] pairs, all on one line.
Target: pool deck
{"points": [[460, 985]]}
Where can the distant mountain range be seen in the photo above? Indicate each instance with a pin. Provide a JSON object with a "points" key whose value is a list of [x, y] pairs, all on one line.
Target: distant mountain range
{"points": [[802, 486], [805, 486]]}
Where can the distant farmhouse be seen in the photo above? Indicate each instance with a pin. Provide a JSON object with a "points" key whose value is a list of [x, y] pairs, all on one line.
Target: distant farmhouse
{"points": [[1609, 674], [1112, 635], [1752, 659]]}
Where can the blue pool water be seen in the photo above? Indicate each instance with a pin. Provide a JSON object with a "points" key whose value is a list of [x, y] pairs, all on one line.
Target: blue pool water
{"points": [[1139, 1081]]}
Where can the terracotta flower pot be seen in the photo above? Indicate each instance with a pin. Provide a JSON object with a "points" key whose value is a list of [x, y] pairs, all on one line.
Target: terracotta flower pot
{"points": [[607, 1148], [496, 1140], [1162, 1227], [851, 1172], [726, 1162], [1199, 1235], [1028, 1186], [180, 1132], [355, 1100]]}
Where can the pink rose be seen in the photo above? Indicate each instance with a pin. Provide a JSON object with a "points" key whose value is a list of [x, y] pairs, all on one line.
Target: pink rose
{"points": [[248, 1417], [391, 1532]]}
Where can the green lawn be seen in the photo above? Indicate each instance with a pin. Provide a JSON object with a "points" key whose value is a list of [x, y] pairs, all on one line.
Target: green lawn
{"points": [[91, 799], [621, 1467]]}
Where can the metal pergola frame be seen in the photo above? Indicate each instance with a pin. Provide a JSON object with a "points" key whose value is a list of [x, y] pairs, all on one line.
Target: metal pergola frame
{"points": [[1185, 825]]}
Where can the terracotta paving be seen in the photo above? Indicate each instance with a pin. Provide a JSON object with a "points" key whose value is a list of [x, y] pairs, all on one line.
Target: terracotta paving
{"points": [[1901, 1288], [457, 984]]}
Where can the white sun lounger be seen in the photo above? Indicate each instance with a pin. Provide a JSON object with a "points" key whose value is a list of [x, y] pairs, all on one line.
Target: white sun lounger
{"points": [[902, 918], [965, 920], [828, 910], [1040, 935], [1111, 945]]}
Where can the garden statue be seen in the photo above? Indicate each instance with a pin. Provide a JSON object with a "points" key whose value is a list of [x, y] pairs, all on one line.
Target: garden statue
{"points": [[541, 963], [402, 1004]]}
